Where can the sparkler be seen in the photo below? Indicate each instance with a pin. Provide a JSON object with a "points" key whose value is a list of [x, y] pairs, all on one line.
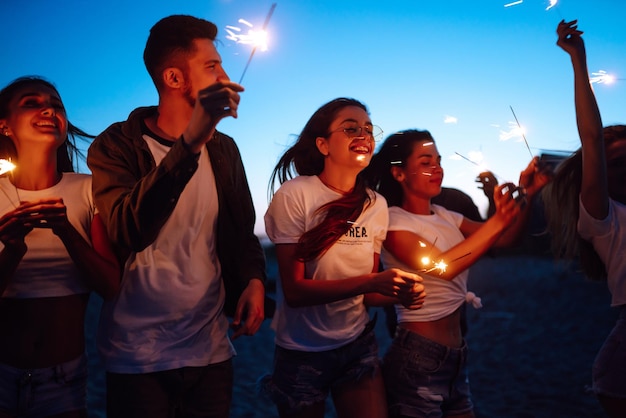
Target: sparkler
{"points": [[482, 168], [602, 77], [522, 132], [6, 166], [442, 265], [255, 38]]}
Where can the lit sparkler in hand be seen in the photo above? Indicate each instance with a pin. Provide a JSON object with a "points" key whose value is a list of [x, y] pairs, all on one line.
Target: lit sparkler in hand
{"points": [[258, 39], [6, 166]]}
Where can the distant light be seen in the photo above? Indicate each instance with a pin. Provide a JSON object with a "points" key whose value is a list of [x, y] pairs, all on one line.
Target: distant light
{"points": [[515, 3]]}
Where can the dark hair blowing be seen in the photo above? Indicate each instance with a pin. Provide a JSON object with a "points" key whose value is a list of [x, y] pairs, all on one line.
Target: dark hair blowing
{"points": [[304, 158], [562, 205], [68, 153], [394, 151], [171, 41]]}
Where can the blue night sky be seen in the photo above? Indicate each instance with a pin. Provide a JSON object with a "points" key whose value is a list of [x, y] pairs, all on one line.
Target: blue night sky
{"points": [[455, 68]]}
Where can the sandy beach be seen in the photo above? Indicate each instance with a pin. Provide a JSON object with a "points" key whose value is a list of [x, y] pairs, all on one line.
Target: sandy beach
{"points": [[531, 346]]}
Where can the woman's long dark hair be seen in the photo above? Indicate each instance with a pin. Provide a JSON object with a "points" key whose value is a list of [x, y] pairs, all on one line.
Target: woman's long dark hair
{"points": [[304, 158], [394, 151], [562, 205], [68, 153]]}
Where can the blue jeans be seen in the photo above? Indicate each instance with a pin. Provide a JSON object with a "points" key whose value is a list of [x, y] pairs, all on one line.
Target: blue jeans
{"points": [[609, 367], [425, 379], [304, 378], [190, 392], [45, 391]]}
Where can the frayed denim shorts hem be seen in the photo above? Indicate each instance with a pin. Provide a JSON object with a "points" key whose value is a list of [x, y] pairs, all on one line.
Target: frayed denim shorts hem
{"points": [[302, 378], [424, 378]]}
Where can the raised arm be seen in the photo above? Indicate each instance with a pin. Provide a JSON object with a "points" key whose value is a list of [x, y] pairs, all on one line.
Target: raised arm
{"points": [[411, 248], [594, 188]]}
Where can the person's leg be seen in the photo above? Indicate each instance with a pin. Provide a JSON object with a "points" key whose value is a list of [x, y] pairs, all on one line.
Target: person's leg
{"points": [[358, 389], [363, 398], [139, 395], [299, 384], [208, 391], [609, 370]]}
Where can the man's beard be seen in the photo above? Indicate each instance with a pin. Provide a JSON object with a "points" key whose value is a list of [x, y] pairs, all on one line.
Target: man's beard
{"points": [[188, 95]]}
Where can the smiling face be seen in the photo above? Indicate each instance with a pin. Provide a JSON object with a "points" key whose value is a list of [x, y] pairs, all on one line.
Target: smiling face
{"points": [[36, 115], [348, 143], [421, 175]]}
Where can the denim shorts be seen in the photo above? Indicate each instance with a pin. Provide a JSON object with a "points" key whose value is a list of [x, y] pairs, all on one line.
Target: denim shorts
{"points": [[45, 391], [425, 379], [303, 378], [609, 367]]}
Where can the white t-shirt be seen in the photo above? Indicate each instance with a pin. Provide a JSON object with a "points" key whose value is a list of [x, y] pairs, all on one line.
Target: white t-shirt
{"points": [[608, 238], [47, 269], [291, 213], [442, 228], [168, 313]]}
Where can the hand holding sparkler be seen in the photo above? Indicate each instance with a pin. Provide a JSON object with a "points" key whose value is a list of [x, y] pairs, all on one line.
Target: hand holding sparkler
{"points": [[213, 104], [534, 177], [395, 283], [13, 232], [570, 39]]}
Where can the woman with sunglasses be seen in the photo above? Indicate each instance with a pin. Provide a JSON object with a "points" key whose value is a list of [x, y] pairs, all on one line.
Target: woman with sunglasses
{"points": [[328, 230]]}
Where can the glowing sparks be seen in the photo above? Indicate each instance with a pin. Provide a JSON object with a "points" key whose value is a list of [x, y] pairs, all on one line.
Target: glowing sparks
{"points": [[440, 265], [515, 3], [523, 136], [551, 5], [258, 39], [514, 131], [6, 166], [601, 77]]}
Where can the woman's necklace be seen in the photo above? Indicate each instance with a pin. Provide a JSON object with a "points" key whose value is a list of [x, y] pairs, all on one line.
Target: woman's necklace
{"points": [[17, 193], [333, 188]]}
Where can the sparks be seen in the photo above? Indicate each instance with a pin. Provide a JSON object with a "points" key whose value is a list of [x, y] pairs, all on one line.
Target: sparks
{"points": [[6, 166], [515, 3], [551, 5], [523, 136], [440, 265], [601, 77], [258, 39]]}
